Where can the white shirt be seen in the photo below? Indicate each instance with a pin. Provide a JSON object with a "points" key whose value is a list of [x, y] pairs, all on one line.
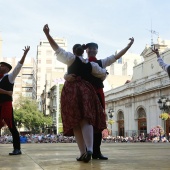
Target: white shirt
{"points": [[14, 73], [162, 64], [68, 59], [107, 61]]}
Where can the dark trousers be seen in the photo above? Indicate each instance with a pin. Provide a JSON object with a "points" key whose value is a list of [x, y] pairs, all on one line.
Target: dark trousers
{"points": [[15, 135], [97, 138]]}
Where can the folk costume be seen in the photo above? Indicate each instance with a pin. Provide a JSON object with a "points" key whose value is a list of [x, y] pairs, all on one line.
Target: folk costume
{"points": [[6, 109], [98, 86], [79, 99]]}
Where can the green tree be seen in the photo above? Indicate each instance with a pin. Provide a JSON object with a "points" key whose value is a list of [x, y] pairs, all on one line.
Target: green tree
{"points": [[26, 114]]}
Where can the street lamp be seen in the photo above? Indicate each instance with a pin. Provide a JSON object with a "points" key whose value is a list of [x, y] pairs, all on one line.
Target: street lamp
{"points": [[111, 113], [164, 105]]}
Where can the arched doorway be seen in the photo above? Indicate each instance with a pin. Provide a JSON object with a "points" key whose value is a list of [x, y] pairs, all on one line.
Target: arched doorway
{"points": [[120, 121], [142, 122]]}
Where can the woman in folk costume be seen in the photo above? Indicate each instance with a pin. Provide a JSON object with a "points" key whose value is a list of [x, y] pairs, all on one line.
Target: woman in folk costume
{"points": [[80, 107]]}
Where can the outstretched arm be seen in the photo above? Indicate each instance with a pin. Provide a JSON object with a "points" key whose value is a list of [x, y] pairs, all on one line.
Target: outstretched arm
{"points": [[6, 92], [62, 56], [53, 44], [26, 49], [160, 60], [109, 60], [17, 69], [122, 52], [98, 71], [156, 51]]}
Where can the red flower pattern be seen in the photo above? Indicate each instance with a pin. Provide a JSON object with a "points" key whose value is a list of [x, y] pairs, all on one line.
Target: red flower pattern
{"points": [[80, 101]]}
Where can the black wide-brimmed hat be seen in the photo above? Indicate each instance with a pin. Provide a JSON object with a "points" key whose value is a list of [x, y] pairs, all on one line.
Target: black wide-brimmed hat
{"points": [[91, 45], [7, 65]]}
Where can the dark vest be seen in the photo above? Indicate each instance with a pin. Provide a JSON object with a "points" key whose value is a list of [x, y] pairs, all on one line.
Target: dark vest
{"points": [[96, 82], [84, 70], [6, 85], [79, 68]]}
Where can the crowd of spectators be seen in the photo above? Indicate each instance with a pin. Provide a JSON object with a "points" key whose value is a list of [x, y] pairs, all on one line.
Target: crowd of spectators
{"points": [[118, 139], [39, 138], [51, 138]]}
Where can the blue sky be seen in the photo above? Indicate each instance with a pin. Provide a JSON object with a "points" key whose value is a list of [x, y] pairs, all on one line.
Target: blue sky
{"points": [[109, 23]]}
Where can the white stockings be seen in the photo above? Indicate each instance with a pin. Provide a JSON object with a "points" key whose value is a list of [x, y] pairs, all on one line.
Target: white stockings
{"points": [[84, 136]]}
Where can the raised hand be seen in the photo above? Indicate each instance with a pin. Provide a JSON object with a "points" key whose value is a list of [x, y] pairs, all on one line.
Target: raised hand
{"points": [[131, 41], [26, 49], [53, 44], [155, 50], [46, 29]]}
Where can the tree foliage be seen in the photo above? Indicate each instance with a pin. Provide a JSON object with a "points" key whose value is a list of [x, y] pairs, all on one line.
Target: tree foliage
{"points": [[26, 114]]}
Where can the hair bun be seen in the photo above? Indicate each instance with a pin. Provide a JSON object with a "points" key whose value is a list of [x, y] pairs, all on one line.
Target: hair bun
{"points": [[79, 50], [84, 46]]}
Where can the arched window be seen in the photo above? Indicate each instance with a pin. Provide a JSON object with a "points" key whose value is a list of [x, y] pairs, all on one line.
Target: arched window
{"points": [[141, 113], [120, 121], [120, 116], [142, 122]]}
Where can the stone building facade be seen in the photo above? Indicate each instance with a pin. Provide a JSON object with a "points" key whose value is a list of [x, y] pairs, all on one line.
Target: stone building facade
{"points": [[135, 104]]}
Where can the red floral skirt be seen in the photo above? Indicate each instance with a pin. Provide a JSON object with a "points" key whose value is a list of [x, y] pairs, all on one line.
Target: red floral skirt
{"points": [[79, 101]]}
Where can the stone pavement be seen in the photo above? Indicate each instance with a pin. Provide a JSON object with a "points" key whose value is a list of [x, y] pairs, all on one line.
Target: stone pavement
{"points": [[62, 156]]}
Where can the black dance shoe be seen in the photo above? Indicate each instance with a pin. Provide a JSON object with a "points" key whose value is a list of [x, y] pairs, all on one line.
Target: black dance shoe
{"points": [[81, 158], [99, 156], [87, 156], [15, 152]]}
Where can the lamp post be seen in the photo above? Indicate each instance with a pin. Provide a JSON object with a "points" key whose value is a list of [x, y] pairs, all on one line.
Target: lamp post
{"points": [[111, 113], [164, 106]]}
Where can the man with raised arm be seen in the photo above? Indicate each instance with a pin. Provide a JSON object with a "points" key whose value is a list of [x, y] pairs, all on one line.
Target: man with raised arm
{"points": [[6, 109]]}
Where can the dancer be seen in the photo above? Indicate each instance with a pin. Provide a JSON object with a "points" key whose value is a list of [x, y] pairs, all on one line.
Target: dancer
{"points": [[92, 49], [79, 113], [6, 109]]}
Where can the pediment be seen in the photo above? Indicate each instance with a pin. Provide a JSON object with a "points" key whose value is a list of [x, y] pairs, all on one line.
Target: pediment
{"points": [[147, 52]]}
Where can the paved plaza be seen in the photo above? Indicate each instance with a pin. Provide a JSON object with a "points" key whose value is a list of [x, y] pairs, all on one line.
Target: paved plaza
{"points": [[62, 156]]}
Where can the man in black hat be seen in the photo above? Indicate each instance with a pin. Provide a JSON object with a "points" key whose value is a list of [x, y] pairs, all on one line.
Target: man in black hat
{"points": [[91, 50], [6, 109], [6, 64]]}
